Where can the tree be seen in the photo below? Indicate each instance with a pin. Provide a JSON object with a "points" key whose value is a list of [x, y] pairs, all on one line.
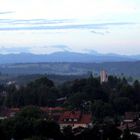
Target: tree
{"points": [[122, 104], [67, 132], [42, 81], [30, 113], [128, 136], [101, 110], [47, 129]]}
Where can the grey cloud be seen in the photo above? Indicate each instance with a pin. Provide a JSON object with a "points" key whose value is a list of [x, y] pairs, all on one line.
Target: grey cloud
{"points": [[46, 24], [63, 47], [36, 21], [7, 12], [15, 49], [91, 51], [100, 33]]}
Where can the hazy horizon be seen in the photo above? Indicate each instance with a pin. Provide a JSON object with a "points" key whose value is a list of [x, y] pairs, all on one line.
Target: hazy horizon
{"points": [[16, 51], [47, 26]]}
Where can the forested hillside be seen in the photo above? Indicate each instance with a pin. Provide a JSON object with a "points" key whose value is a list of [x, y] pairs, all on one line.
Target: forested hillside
{"points": [[116, 96], [113, 68]]}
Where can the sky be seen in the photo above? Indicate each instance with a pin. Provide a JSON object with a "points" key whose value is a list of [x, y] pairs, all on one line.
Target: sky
{"points": [[47, 26]]}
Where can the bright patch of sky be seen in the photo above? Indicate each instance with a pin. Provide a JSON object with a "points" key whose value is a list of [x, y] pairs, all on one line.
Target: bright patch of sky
{"points": [[46, 26]]}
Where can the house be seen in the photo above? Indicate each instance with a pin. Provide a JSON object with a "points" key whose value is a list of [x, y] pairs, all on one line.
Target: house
{"points": [[53, 113], [75, 119], [131, 120], [10, 83], [131, 117], [13, 112], [8, 112], [52, 109]]}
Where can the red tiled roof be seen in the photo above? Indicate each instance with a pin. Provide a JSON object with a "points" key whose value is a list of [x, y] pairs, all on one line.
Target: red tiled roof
{"points": [[86, 119], [81, 118], [46, 109], [14, 109], [8, 111], [71, 115]]}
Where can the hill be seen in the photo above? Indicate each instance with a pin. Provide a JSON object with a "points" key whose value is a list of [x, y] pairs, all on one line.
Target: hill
{"points": [[65, 57], [113, 68]]}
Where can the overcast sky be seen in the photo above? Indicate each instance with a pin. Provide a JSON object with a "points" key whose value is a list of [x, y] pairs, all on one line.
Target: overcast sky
{"points": [[46, 26]]}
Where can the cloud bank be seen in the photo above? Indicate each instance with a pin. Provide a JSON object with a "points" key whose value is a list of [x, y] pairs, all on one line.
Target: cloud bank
{"points": [[44, 24]]}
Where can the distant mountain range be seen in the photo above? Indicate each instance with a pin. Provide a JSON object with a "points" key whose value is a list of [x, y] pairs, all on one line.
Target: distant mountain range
{"points": [[65, 57], [69, 63]]}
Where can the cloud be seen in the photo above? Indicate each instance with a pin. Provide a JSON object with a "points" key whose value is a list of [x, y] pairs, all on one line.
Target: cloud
{"points": [[7, 12], [45, 24], [15, 50], [36, 21], [100, 33], [91, 51], [50, 48], [62, 47]]}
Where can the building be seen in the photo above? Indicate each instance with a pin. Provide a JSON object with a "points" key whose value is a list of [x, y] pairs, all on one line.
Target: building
{"points": [[131, 120], [8, 112], [52, 109], [11, 83], [131, 117], [75, 119], [103, 76], [53, 113]]}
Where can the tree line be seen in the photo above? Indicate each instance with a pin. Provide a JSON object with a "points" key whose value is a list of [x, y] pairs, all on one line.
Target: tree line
{"points": [[31, 124], [108, 99]]}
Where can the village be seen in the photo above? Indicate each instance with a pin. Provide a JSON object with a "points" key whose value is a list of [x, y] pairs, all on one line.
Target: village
{"points": [[76, 115]]}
